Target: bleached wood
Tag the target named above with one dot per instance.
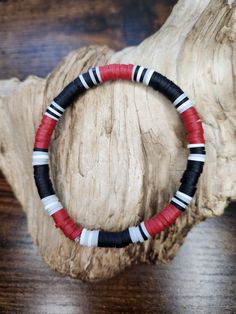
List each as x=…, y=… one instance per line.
x=118, y=153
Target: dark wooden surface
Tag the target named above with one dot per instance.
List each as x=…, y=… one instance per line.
x=34, y=36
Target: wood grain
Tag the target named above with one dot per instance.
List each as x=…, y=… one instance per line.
x=34, y=36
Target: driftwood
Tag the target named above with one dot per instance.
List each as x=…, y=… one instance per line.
x=119, y=152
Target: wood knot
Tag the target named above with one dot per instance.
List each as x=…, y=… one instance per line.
x=2, y=149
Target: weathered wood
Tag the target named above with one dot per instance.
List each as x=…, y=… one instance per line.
x=119, y=152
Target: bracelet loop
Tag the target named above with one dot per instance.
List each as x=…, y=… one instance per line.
x=179, y=201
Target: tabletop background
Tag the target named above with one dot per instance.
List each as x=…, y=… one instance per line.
x=34, y=36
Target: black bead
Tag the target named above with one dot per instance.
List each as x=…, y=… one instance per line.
x=42, y=180
x=114, y=239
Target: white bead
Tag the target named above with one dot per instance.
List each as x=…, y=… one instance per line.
x=83, y=237
x=98, y=74
x=83, y=81
x=197, y=157
x=40, y=158
x=89, y=237
x=49, y=115
x=57, y=106
x=179, y=99
x=92, y=77
x=186, y=105
x=135, y=235
x=178, y=202
x=147, y=76
x=145, y=230
x=51, y=204
x=54, y=111
x=139, y=73
x=186, y=198
x=196, y=145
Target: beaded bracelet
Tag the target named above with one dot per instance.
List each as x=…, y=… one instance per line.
x=178, y=203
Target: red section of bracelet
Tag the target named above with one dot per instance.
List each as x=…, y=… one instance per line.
x=116, y=71
x=66, y=224
x=44, y=132
x=162, y=220
x=195, y=138
x=193, y=126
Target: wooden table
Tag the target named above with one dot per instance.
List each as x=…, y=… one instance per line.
x=34, y=36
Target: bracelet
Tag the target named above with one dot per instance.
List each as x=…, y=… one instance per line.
x=178, y=203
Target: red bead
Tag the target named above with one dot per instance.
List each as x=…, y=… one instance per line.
x=44, y=132
x=196, y=138
x=66, y=224
x=116, y=71
x=194, y=127
x=162, y=220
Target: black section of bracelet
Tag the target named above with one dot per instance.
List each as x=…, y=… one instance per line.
x=198, y=150
x=196, y=166
x=187, y=189
x=69, y=93
x=165, y=86
x=40, y=150
x=42, y=180
x=114, y=239
x=190, y=177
